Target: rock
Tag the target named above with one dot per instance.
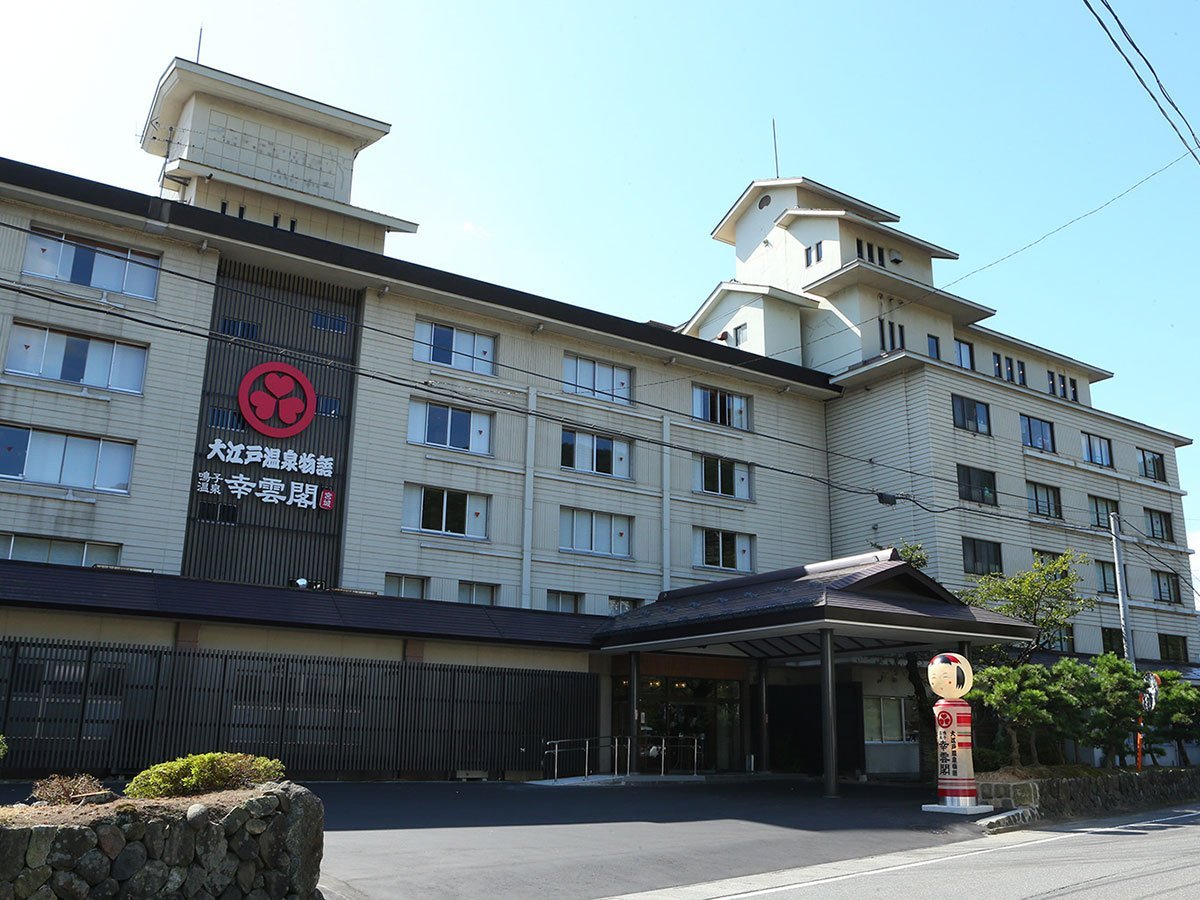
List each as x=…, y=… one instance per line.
x=280, y=794
x=6, y=890
x=204, y=895
x=210, y=846
x=40, y=803
x=255, y=826
x=244, y=845
x=155, y=836
x=110, y=839
x=30, y=880
x=69, y=886
x=195, y=880
x=275, y=883
x=234, y=819
x=271, y=841
x=93, y=867
x=305, y=840
x=246, y=871
x=257, y=894
x=175, y=879
x=70, y=843
x=261, y=807
x=40, y=837
x=148, y=882
x=220, y=876
x=179, y=846
x=129, y=860
x=42, y=893
x=14, y=842
x=134, y=831
x=197, y=815
x=105, y=890
x=232, y=893
x=97, y=797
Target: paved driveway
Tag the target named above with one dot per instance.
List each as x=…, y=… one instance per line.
x=429, y=840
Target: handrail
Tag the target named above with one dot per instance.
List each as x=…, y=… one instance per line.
x=658, y=747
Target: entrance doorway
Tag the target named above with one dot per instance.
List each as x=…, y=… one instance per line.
x=794, y=729
x=676, y=706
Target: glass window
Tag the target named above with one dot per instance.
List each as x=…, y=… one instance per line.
x=1159, y=525
x=412, y=587
x=1044, y=500
x=599, y=454
x=50, y=458
x=1106, y=577
x=725, y=550
x=338, y=324
x=563, y=601
x=721, y=407
x=997, y=367
x=978, y=485
x=585, y=531
x=1062, y=640
x=889, y=720
x=1152, y=465
x=80, y=260
x=59, y=356
x=1096, y=449
x=1166, y=586
x=449, y=345
x=1021, y=373
x=964, y=354
x=717, y=475
x=971, y=415
x=934, y=346
x=1172, y=648
x=981, y=557
x=740, y=335
x=453, y=512
x=58, y=550
x=451, y=427
x=618, y=606
x=477, y=593
x=1037, y=433
x=1112, y=641
x=602, y=380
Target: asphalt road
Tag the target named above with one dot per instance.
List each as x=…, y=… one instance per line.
x=499, y=841
x=1151, y=855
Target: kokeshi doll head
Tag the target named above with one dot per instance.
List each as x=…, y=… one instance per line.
x=950, y=675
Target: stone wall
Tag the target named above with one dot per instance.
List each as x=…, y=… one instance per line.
x=267, y=848
x=1107, y=790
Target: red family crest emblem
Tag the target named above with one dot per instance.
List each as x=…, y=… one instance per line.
x=277, y=399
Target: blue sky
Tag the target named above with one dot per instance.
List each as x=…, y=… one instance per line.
x=585, y=152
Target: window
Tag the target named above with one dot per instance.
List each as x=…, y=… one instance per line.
x=1106, y=577
x=1062, y=640
x=1074, y=389
x=275, y=221
x=724, y=549
x=46, y=457
x=741, y=334
x=873, y=254
x=476, y=593
x=221, y=513
x=978, y=485
x=971, y=415
x=721, y=407
x=452, y=427
x=1009, y=372
x=618, y=606
x=1050, y=381
x=1159, y=526
x=808, y=256
x=891, y=336
x=1045, y=557
x=997, y=366
x=1112, y=641
x=223, y=417
x=454, y=512
x=79, y=260
x=819, y=247
x=1172, y=648
x=595, y=453
x=1166, y=586
x=1096, y=450
x=1044, y=500
x=59, y=356
x=412, y=587
x=563, y=601
x=597, y=379
x=1062, y=386
x=964, y=354
x=1152, y=465
x=338, y=324
x=1037, y=433
x=889, y=720
x=1100, y=509
x=717, y=475
x=62, y=552
x=584, y=531
x=239, y=328
x=330, y=407
x=981, y=557
x=1021, y=374
x=448, y=345
x=934, y=344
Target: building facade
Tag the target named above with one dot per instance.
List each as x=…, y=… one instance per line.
x=230, y=385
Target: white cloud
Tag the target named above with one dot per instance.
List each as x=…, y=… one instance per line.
x=477, y=230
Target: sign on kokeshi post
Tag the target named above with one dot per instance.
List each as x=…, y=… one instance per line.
x=951, y=678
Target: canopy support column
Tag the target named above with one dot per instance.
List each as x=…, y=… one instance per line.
x=828, y=715
x=635, y=723
x=764, y=741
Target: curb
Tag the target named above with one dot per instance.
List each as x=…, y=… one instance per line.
x=1010, y=820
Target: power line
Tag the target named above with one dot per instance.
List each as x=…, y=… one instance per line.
x=1157, y=559
x=1140, y=79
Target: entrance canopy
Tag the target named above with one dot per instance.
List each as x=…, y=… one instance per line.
x=875, y=604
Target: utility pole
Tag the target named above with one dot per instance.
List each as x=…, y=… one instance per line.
x=1114, y=528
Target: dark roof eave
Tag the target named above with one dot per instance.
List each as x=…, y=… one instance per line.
x=82, y=190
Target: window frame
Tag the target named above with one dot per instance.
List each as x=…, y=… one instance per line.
x=1027, y=433
x=1090, y=443
x=741, y=544
x=959, y=344
x=1152, y=459
x=1159, y=525
x=909, y=728
x=616, y=602
x=614, y=522
x=619, y=453
x=722, y=404
x=49, y=438
x=8, y=544
x=960, y=409
x=402, y=580
x=1171, y=651
x=571, y=381
x=427, y=346
x=984, y=563
x=739, y=473
x=1166, y=586
x=574, y=597
x=97, y=248
x=469, y=498
x=419, y=423
x=974, y=492
x=67, y=336
x=1112, y=640
x=1096, y=503
x=474, y=587
x=1043, y=500
x=1106, y=578
x=933, y=346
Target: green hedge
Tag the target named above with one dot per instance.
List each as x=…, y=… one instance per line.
x=202, y=773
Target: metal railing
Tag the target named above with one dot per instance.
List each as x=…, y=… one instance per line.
x=652, y=748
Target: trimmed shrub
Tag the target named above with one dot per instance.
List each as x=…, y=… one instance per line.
x=57, y=790
x=989, y=760
x=202, y=773
x=3, y=747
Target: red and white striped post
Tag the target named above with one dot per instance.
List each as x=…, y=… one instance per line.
x=951, y=677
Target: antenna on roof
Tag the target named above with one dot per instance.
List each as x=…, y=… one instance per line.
x=774, y=141
x=200, y=40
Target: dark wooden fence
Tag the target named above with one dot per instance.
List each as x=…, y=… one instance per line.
x=115, y=709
